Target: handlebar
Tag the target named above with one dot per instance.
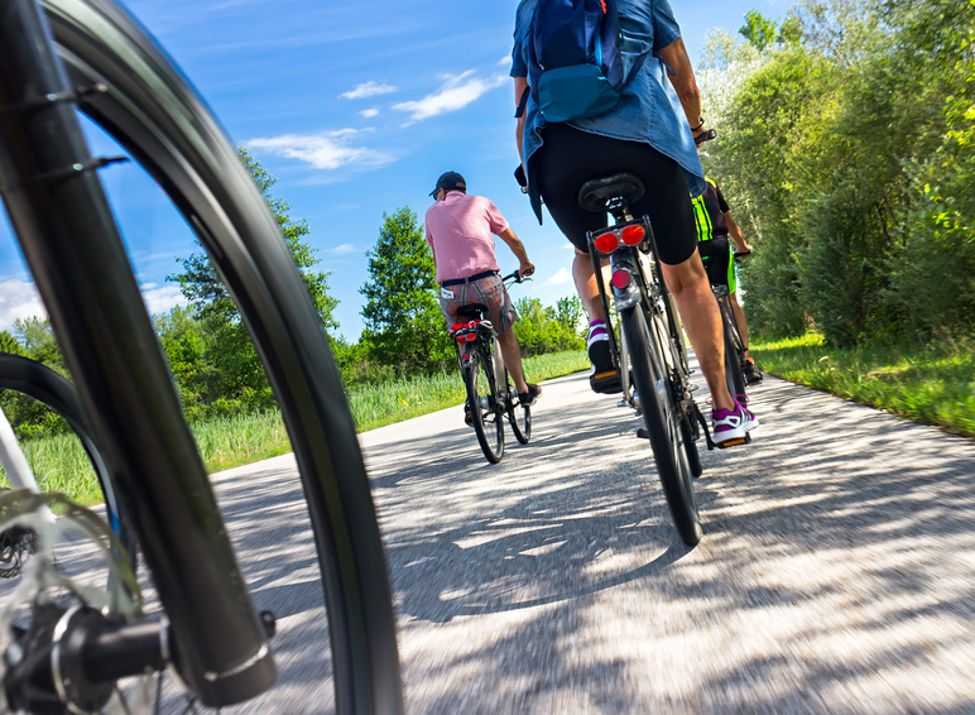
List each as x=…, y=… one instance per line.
x=515, y=277
x=706, y=136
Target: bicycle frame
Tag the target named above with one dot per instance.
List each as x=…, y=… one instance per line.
x=75, y=254
x=634, y=259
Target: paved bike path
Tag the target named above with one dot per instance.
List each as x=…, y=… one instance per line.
x=836, y=574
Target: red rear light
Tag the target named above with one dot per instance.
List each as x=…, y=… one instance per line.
x=632, y=235
x=621, y=279
x=471, y=337
x=606, y=242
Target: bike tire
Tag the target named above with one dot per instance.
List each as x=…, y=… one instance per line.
x=522, y=429
x=36, y=380
x=690, y=431
x=665, y=432
x=148, y=108
x=733, y=357
x=482, y=400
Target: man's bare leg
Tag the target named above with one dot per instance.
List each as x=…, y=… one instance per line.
x=740, y=322
x=512, y=360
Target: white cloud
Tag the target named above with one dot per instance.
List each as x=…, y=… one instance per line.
x=343, y=249
x=18, y=300
x=505, y=61
x=327, y=151
x=161, y=298
x=456, y=92
x=368, y=89
x=369, y=113
x=560, y=278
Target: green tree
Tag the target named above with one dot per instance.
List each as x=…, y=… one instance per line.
x=206, y=292
x=211, y=355
x=758, y=30
x=404, y=327
x=543, y=330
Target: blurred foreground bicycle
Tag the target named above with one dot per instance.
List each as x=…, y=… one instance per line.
x=70, y=646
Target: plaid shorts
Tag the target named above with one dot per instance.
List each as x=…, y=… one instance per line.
x=490, y=292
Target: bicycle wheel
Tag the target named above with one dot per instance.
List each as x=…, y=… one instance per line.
x=31, y=378
x=522, y=428
x=733, y=356
x=485, y=407
x=667, y=437
x=144, y=103
x=690, y=431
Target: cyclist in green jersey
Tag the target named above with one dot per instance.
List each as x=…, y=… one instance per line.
x=715, y=225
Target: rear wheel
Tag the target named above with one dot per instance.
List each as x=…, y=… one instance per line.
x=668, y=437
x=485, y=407
x=732, y=357
x=690, y=431
x=519, y=415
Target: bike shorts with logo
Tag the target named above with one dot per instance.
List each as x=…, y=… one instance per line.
x=717, y=255
x=490, y=292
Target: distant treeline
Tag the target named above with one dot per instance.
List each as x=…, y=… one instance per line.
x=216, y=368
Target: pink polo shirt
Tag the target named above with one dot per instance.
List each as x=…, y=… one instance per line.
x=459, y=231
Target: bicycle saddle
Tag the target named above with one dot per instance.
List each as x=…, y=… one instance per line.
x=474, y=311
x=594, y=194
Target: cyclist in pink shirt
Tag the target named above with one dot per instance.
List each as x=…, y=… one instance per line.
x=460, y=230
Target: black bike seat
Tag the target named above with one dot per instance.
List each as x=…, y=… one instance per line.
x=594, y=194
x=474, y=311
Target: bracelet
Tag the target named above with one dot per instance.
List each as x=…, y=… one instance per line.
x=699, y=126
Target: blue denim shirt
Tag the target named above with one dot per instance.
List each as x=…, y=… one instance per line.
x=650, y=110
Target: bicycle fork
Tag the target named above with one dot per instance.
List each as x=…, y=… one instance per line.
x=75, y=253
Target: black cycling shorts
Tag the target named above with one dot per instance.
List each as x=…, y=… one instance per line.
x=571, y=157
x=719, y=262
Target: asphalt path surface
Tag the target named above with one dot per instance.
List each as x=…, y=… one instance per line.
x=836, y=573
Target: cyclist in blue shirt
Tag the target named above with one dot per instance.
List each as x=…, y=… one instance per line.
x=650, y=134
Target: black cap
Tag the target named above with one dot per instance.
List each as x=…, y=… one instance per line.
x=450, y=181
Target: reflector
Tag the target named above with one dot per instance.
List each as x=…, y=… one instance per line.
x=632, y=235
x=606, y=242
x=621, y=279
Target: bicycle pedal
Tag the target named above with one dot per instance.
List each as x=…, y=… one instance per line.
x=642, y=433
x=747, y=439
x=606, y=383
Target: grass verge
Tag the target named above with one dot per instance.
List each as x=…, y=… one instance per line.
x=932, y=383
x=60, y=463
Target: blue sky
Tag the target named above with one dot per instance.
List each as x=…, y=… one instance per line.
x=356, y=108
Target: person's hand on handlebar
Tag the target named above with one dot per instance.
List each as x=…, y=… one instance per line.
x=526, y=269
x=704, y=135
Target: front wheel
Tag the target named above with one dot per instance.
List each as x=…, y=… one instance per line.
x=486, y=410
x=520, y=416
x=667, y=435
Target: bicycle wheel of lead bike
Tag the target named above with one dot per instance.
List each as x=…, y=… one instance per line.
x=733, y=356
x=31, y=378
x=146, y=105
x=667, y=435
x=519, y=415
x=486, y=410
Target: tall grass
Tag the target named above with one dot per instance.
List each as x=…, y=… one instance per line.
x=932, y=383
x=60, y=463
